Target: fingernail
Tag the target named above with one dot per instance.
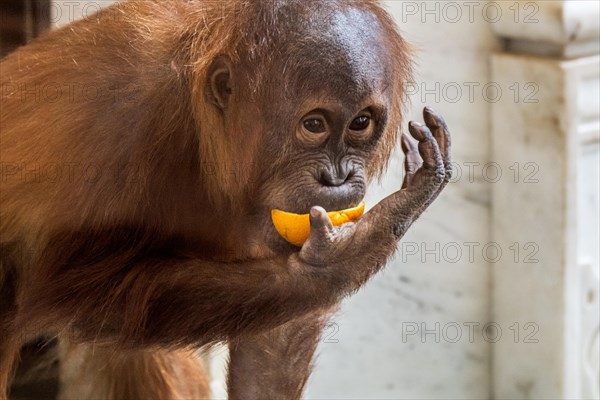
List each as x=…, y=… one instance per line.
x=415, y=124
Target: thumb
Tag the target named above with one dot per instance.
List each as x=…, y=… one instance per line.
x=313, y=250
x=320, y=224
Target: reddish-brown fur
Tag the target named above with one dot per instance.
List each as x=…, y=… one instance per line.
x=113, y=192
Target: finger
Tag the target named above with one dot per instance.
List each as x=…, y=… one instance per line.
x=428, y=147
x=314, y=250
x=440, y=132
x=437, y=124
x=412, y=159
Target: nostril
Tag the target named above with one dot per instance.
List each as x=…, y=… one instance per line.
x=326, y=178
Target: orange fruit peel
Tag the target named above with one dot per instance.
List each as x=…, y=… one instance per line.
x=295, y=228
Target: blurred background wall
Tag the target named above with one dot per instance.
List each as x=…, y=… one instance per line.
x=494, y=291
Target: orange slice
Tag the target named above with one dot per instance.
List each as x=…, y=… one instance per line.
x=295, y=228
